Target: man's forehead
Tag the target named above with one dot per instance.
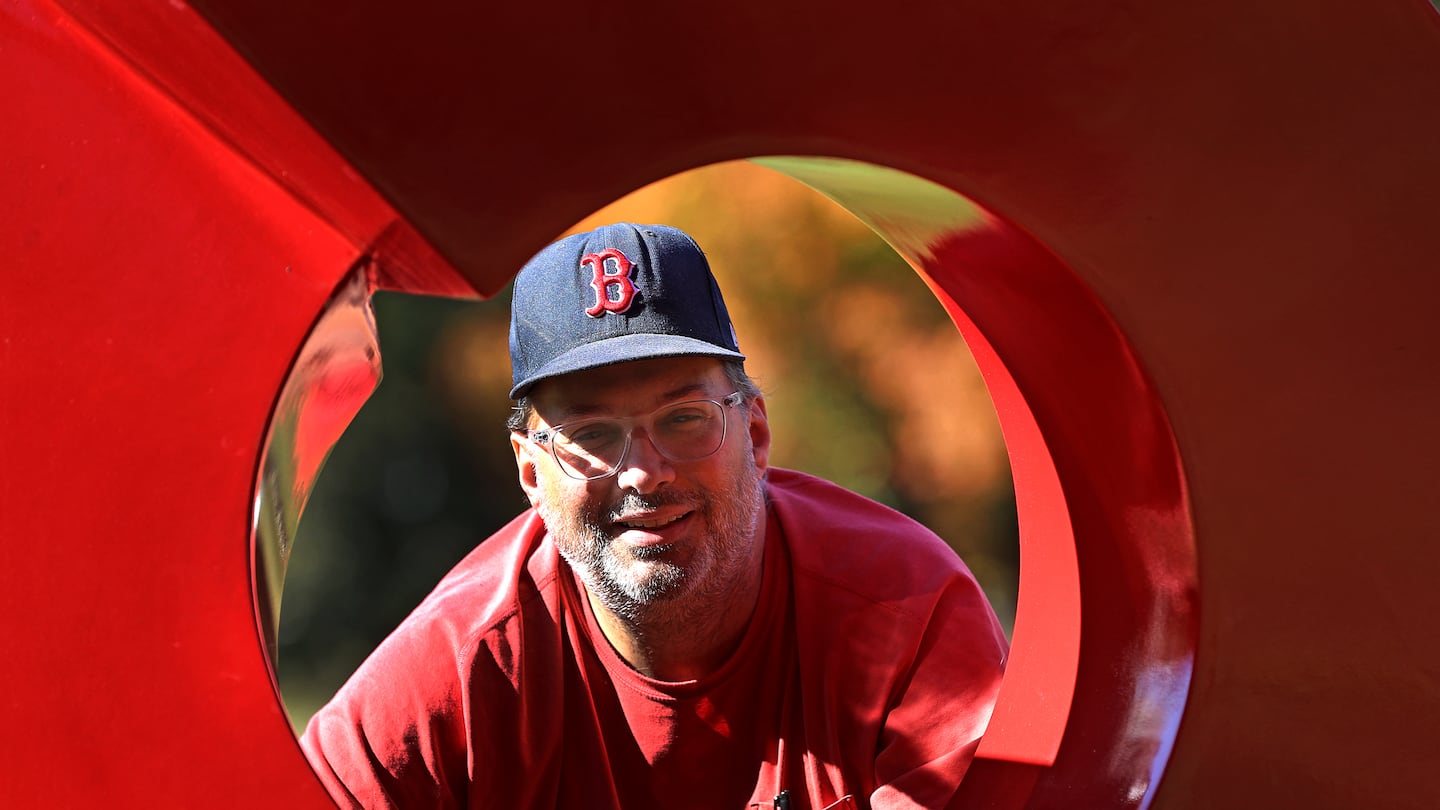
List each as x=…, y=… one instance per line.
x=625, y=387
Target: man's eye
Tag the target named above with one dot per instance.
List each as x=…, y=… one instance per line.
x=594, y=433
x=685, y=416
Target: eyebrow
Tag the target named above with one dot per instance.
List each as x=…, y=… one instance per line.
x=586, y=410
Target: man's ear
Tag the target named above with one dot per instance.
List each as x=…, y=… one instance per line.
x=759, y=426
x=525, y=465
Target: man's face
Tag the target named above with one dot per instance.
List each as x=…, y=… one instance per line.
x=657, y=530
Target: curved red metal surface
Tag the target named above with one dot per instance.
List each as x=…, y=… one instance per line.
x=157, y=286
x=1219, y=213
x=335, y=372
x=946, y=238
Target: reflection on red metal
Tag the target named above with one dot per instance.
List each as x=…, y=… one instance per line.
x=1236, y=204
x=336, y=371
x=1124, y=496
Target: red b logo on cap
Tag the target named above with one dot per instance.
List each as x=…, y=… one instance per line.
x=604, y=281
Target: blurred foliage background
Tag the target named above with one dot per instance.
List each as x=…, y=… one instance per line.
x=868, y=384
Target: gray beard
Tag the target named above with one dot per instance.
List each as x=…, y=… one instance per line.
x=654, y=599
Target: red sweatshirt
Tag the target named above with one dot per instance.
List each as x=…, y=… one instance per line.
x=865, y=680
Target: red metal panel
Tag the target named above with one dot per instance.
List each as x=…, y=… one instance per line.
x=1236, y=206
x=156, y=288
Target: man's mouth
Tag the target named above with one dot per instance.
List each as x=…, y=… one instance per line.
x=651, y=523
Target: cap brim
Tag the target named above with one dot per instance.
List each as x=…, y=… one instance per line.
x=622, y=349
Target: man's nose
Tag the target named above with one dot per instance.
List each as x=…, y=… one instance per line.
x=644, y=469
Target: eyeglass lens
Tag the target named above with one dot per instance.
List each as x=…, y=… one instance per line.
x=685, y=431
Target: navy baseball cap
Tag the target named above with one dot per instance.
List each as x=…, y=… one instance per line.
x=619, y=293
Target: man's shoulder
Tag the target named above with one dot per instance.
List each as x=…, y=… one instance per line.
x=847, y=541
x=828, y=514
x=491, y=584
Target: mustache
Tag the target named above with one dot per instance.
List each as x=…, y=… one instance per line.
x=635, y=502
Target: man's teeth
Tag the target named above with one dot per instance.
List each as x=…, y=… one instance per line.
x=649, y=524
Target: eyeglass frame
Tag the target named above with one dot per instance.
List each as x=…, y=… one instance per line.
x=546, y=436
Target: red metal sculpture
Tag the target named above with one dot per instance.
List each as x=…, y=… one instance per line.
x=1200, y=288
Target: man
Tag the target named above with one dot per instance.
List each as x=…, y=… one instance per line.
x=675, y=623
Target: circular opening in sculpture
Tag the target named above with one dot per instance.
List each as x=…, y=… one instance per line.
x=880, y=394
x=980, y=269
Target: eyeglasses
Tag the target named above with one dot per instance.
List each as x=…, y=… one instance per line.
x=591, y=449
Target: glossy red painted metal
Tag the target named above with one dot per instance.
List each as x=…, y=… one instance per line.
x=1124, y=494
x=1236, y=206
x=962, y=253
x=1113, y=564
x=173, y=48
x=158, y=284
x=335, y=372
